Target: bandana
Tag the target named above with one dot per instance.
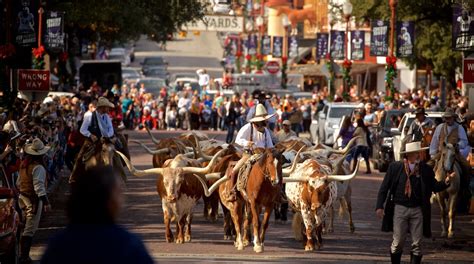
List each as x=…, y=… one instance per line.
x=409, y=174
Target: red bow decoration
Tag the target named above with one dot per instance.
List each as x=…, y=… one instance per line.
x=38, y=52
x=391, y=60
x=248, y=57
x=284, y=60
x=259, y=56
x=238, y=54
x=347, y=64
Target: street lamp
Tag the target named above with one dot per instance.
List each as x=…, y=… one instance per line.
x=347, y=11
x=284, y=58
x=330, y=61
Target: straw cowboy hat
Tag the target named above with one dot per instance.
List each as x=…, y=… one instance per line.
x=36, y=148
x=420, y=110
x=104, y=102
x=260, y=114
x=449, y=113
x=11, y=127
x=413, y=147
x=286, y=123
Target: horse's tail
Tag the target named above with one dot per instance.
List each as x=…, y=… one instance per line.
x=343, y=210
x=297, y=225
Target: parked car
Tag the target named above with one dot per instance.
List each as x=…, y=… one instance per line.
x=221, y=6
x=130, y=75
x=9, y=220
x=121, y=55
x=382, y=152
x=183, y=77
x=129, y=48
x=402, y=130
x=153, y=62
x=158, y=72
x=152, y=85
x=329, y=120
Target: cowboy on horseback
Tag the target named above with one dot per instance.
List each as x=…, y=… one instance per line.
x=450, y=132
x=420, y=125
x=253, y=135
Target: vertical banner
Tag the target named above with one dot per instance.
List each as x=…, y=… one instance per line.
x=357, y=45
x=379, y=38
x=54, y=38
x=252, y=44
x=337, y=44
x=405, y=39
x=25, y=14
x=293, y=47
x=266, y=45
x=463, y=28
x=277, y=47
x=322, y=45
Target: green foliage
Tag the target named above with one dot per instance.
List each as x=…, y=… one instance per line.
x=432, y=29
x=121, y=20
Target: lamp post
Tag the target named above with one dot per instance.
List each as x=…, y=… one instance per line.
x=284, y=58
x=391, y=67
x=393, y=9
x=347, y=11
x=330, y=61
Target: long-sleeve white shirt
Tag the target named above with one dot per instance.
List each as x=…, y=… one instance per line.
x=105, y=124
x=463, y=144
x=258, y=138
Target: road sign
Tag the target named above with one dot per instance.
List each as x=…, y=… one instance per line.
x=468, y=71
x=33, y=80
x=272, y=67
x=222, y=23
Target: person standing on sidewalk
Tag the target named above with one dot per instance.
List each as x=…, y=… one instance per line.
x=406, y=190
x=33, y=199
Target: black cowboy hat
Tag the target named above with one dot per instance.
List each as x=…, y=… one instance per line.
x=420, y=110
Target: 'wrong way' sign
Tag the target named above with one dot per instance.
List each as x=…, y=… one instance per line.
x=468, y=71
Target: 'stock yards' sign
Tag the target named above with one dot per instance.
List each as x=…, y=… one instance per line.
x=221, y=23
x=33, y=80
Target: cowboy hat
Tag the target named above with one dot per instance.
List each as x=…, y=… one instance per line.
x=104, y=102
x=420, y=110
x=413, y=147
x=449, y=113
x=11, y=127
x=286, y=123
x=36, y=148
x=43, y=110
x=260, y=114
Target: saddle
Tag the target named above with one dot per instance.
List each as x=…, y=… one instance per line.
x=244, y=172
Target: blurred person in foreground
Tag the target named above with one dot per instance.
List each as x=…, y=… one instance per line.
x=92, y=235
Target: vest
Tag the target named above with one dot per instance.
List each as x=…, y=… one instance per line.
x=452, y=138
x=26, y=181
x=94, y=128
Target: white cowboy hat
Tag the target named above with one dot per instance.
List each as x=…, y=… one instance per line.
x=261, y=114
x=10, y=127
x=413, y=147
x=104, y=102
x=43, y=110
x=36, y=148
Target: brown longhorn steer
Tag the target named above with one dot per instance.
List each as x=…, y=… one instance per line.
x=179, y=191
x=263, y=188
x=311, y=190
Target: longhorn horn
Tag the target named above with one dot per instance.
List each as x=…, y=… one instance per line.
x=208, y=191
x=339, y=162
x=189, y=155
x=295, y=179
x=150, y=151
x=156, y=141
x=344, y=177
x=205, y=169
x=199, y=150
x=287, y=172
x=348, y=146
x=213, y=176
x=139, y=173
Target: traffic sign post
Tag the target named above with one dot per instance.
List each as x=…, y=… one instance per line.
x=468, y=71
x=272, y=67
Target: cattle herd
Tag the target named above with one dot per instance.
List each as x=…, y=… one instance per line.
x=193, y=166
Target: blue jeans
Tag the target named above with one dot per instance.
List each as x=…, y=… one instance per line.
x=230, y=133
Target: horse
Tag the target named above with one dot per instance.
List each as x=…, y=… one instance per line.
x=262, y=190
x=428, y=133
x=448, y=164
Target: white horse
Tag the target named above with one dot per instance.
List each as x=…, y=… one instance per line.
x=448, y=164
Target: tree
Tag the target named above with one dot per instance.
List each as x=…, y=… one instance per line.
x=433, y=30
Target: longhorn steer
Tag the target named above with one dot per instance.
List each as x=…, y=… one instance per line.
x=311, y=190
x=179, y=191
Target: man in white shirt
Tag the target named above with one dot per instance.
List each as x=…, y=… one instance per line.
x=254, y=134
x=98, y=124
x=203, y=78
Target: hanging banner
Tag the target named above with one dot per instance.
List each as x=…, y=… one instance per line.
x=266, y=45
x=322, y=45
x=277, y=47
x=379, y=38
x=463, y=28
x=26, y=14
x=293, y=47
x=357, y=45
x=54, y=38
x=405, y=39
x=337, y=44
x=251, y=44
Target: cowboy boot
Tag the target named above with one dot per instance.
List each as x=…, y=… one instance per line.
x=414, y=259
x=396, y=258
x=25, y=245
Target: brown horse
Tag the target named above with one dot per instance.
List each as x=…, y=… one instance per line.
x=428, y=133
x=262, y=189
